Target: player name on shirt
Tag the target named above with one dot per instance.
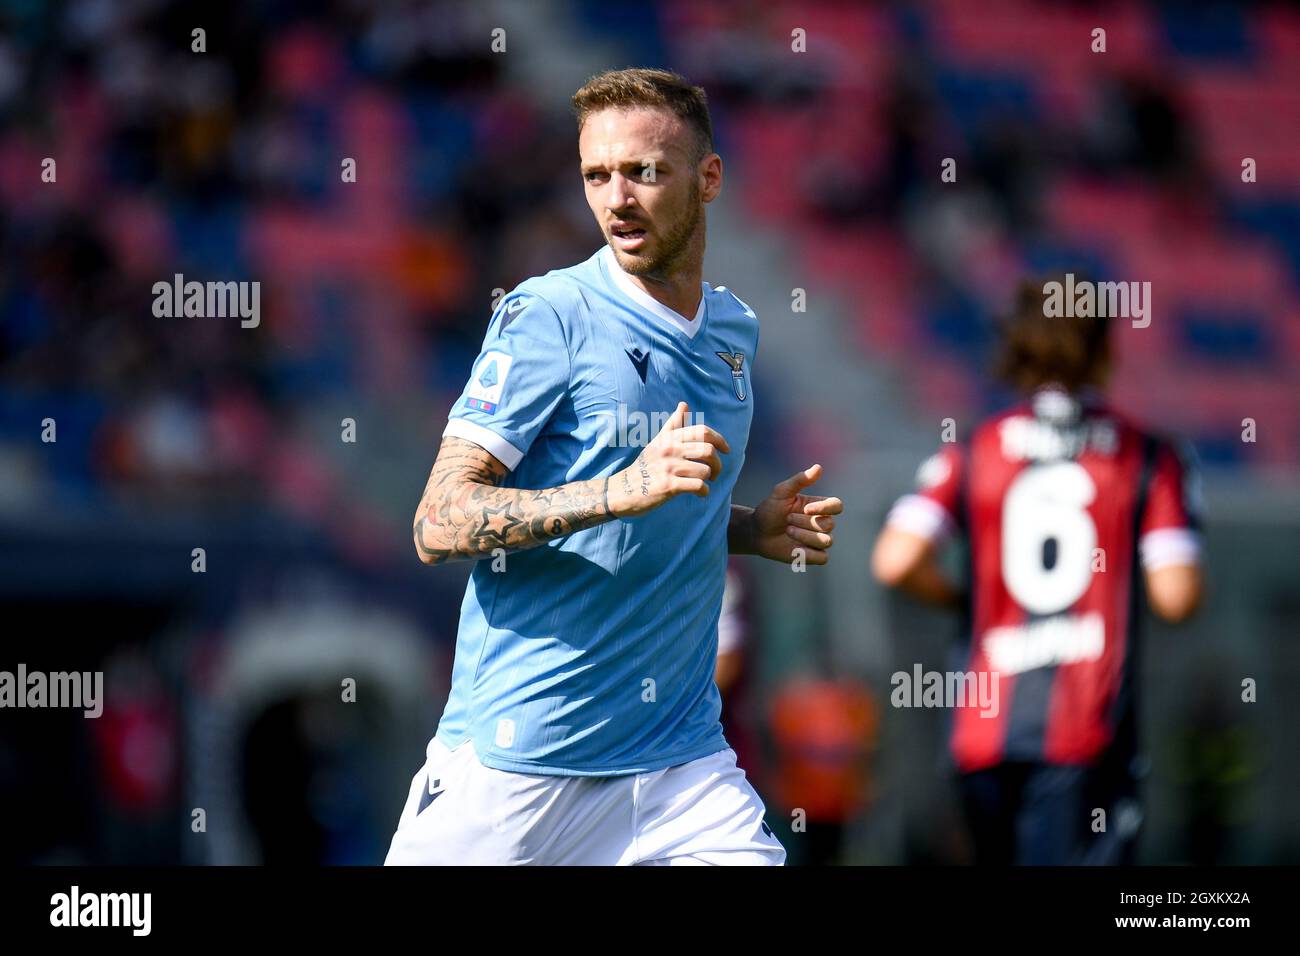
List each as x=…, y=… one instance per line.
x=1066, y=639
x=1029, y=439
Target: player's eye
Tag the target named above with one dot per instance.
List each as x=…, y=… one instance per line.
x=593, y=177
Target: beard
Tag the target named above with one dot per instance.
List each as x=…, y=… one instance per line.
x=676, y=242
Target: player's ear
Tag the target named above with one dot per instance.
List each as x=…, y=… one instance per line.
x=710, y=173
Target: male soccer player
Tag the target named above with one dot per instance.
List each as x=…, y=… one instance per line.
x=1069, y=509
x=590, y=461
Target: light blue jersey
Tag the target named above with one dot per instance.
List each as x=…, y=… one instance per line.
x=594, y=654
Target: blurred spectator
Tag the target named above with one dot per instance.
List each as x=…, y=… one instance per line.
x=735, y=649
x=825, y=731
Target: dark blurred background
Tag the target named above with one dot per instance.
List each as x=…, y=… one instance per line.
x=223, y=687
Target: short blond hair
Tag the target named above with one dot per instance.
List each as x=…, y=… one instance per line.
x=662, y=89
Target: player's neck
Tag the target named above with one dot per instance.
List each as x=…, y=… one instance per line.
x=679, y=286
x=679, y=290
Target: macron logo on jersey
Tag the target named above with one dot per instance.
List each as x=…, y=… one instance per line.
x=511, y=309
x=489, y=381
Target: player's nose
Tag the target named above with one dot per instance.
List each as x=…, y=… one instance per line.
x=620, y=197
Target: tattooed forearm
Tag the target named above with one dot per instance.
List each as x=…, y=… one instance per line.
x=643, y=468
x=464, y=512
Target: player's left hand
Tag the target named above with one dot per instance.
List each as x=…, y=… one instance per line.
x=789, y=519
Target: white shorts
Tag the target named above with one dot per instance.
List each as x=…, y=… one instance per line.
x=460, y=813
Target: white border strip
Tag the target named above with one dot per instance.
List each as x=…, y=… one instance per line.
x=508, y=454
x=922, y=516
x=1167, y=546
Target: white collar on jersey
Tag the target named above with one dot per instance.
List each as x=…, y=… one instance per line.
x=649, y=302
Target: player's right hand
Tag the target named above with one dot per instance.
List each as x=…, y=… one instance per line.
x=682, y=459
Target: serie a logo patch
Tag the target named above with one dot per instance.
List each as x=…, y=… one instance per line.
x=489, y=381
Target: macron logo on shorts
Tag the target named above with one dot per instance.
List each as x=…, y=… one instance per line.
x=432, y=792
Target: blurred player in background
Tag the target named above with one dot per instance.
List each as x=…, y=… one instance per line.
x=1072, y=513
x=582, y=725
x=732, y=671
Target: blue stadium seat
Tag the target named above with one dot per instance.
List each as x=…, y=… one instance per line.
x=1224, y=336
x=1207, y=31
